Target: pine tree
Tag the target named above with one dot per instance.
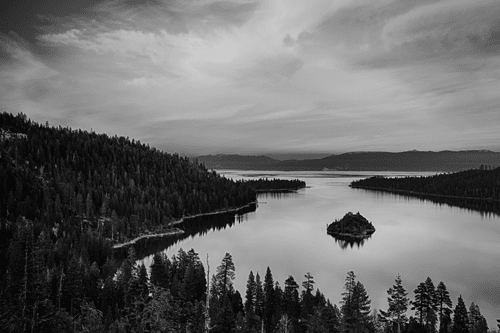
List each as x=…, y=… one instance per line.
x=225, y=275
x=268, y=308
x=284, y=325
x=444, y=304
x=361, y=302
x=477, y=323
x=159, y=275
x=430, y=315
x=307, y=297
x=460, y=318
x=425, y=304
x=355, y=306
x=398, y=305
x=291, y=300
x=221, y=308
x=143, y=281
x=259, y=296
x=250, y=293
x=347, y=305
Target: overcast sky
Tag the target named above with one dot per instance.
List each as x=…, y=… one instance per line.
x=203, y=76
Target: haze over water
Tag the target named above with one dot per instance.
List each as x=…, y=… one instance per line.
x=414, y=238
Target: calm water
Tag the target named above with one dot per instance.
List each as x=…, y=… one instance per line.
x=415, y=238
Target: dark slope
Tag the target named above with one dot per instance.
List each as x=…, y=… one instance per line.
x=59, y=175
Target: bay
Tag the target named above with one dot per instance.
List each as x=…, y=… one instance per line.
x=414, y=237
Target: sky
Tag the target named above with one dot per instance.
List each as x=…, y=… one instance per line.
x=267, y=76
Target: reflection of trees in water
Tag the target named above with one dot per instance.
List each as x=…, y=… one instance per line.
x=487, y=208
x=283, y=194
x=197, y=226
x=345, y=243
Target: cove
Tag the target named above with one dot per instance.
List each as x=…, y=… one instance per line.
x=415, y=237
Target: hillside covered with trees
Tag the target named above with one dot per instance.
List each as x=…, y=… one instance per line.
x=481, y=183
x=67, y=195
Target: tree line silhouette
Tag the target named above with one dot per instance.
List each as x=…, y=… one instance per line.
x=477, y=184
x=175, y=297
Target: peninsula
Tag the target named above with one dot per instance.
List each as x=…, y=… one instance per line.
x=275, y=185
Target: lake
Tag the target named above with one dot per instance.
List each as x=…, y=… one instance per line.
x=414, y=237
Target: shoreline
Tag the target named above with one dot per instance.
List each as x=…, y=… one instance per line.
x=279, y=190
x=414, y=193
x=177, y=231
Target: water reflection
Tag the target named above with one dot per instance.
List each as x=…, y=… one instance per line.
x=282, y=194
x=193, y=227
x=487, y=208
x=345, y=243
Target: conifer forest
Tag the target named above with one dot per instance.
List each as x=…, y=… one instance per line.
x=69, y=196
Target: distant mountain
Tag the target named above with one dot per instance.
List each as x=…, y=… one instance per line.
x=363, y=161
x=233, y=161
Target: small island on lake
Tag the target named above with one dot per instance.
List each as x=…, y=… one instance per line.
x=351, y=227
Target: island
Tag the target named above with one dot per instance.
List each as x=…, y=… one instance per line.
x=351, y=227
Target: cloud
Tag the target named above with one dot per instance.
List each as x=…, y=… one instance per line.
x=264, y=75
x=449, y=28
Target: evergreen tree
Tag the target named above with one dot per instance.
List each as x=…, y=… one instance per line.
x=307, y=297
x=460, y=317
x=259, y=296
x=315, y=323
x=159, y=274
x=444, y=304
x=291, y=300
x=477, y=323
x=269, y=306
x=250, y=293
x=425, y=304
x=143, y=281
x=225, y=275
x=221, y=307
x=361, y=302
x=284, y=325
x=347, y=304
x=398, y=305
x=355, y=306
x=430, y=315
x=331, y=317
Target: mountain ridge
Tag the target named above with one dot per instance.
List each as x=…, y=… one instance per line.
x=412, y=160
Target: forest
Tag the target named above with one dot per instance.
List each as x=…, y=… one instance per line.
x=275, y=184
x=174, y=296
x=68, y=195
x=267, y=307
x=482, y=183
